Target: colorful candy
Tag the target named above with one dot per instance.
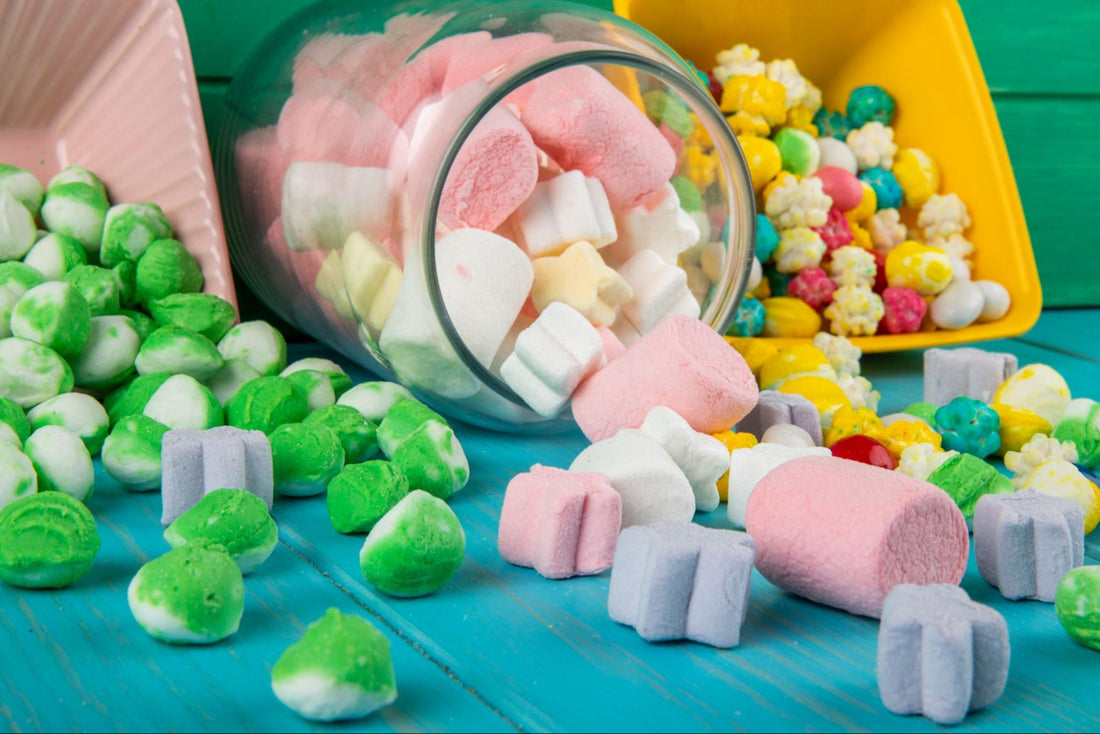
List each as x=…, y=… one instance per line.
x=969, y=426
x=1078, y=605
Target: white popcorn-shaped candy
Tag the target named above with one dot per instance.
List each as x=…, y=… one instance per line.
x=702, y=458
x=660, y=226
x=551, y=357
x=323, y=203
x=372, y=279
x=563, y=210
x=660, y=290
x=748, y=466
x=652, y=486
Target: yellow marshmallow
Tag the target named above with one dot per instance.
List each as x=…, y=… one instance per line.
x=579, y=278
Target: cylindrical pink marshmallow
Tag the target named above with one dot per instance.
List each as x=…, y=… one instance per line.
x=612, y=347
x=478, y=61
x=584, y=123
x=494, y=172
x=682, y=364
x=261, y=166
x=844, y=533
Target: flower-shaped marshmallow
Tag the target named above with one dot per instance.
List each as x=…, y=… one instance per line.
x=969, y=426
x=942, y=216
x=855, y=311
x=873, y=145
x=790, y=202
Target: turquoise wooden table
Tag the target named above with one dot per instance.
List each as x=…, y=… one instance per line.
x=501, y=648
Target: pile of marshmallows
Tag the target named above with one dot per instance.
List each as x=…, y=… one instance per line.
x=559, y=230
x=855, y=230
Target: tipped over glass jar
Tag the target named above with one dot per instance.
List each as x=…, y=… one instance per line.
x=483, y=202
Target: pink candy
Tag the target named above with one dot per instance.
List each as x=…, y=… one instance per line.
x=584, y=123
x=841, y=186
x=844, y=533
x=813, y=286
x=904, y=310
x=682, y=364
x=560, y=523
x=836, y=232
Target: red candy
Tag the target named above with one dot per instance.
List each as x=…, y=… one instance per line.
x=880, y=272
x=715, y=88
x=863, y=449
x=813, y=286
x=841, y=186
x=904, y=310
x=835, y=232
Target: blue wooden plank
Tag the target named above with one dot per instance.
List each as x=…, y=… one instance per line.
x=75, y=659
x=547, y=655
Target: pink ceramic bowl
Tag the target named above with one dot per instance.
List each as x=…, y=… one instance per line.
x=109, y=85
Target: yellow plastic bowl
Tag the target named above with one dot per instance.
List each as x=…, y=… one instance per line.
x=921, y=52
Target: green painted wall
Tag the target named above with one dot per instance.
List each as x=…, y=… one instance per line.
x=1040, y=60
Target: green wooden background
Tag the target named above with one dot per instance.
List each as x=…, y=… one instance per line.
x=1040, y=60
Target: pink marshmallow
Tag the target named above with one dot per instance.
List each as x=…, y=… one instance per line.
x=682, y=364
x=612, y=346
x=325, y=121
x=844, y=533
x=481, y=60
x=261, y=166
x=583, y=122
x=560, y=523
x=494, y=172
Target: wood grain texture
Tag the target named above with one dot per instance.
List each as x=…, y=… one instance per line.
x=75, y=660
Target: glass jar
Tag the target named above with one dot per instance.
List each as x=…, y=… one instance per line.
x=373, y=158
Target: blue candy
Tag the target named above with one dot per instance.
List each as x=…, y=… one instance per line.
x=748, y=320
x=832, y=124
x=886, y=187
x=969, y=426
x=870, y=104
x=777, y=281
x=767, y=239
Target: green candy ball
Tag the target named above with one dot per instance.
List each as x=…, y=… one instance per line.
x=415, y=548
x=235, y=519
x=304, y=457
x=55, y=315
x=202, y=313
x=361, y=494
x=1077, y=603
x=98, y=286
x=266, y=403
x=165, y=268
x=47, y=541
x=357, y=435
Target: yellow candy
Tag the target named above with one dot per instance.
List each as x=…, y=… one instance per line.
x=762, y=156
x=927, y=270
x=753, y=104
x=777, y=181
x=860, y=236
x=1037, y=388
x=1062, y=479
x=701, y=166
x=918, y=175
x=902, y=434
x=755, y=351
x=698, y=135
x=789, y=317
x=825, y=394
x=732, y=440
x=866, y=207
x=800, y=360
x=1018, y=426
x=848, y=421
x=764, y=290
x=801, y=118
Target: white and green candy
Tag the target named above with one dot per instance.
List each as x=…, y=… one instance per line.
x=340, y=669
x=55, y=254
x=76, y=209
x=108, y=356
x=131, y=453
x=23, y=185
x=17, y=230
x=77, y=413
x=304, y=457
x=55, y=315
x=31, y=373
x=179, y=351
x=256, y=343
x=235, y=519
x=17, y=476
x=62, y=462
x=129, y=229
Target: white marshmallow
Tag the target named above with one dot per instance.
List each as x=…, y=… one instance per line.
x=837, y=153
x=658, y=225
x=749, y=466
x=660, y=290
x=324, y=202
x=652, y=486
x=551, y=358
x=702, y=458
x=788, y=434
x=372, y=279
x=484, y=280
x=563, y=210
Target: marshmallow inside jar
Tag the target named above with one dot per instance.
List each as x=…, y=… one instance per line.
x=484, y=203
